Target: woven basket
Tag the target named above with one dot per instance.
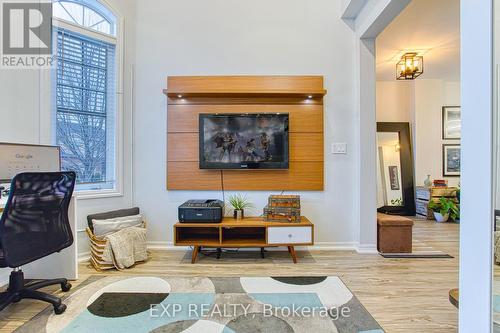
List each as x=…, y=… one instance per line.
x=97, y=246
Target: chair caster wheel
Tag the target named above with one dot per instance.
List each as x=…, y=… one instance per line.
x=66, y=286
x=59, y=309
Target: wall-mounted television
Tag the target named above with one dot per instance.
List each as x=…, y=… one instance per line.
x=244, y=141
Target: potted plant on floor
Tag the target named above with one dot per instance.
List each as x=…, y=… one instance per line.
x=239, y=203
x=445, y=209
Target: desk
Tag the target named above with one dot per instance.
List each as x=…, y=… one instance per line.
x=57, y=265
x=248, y=232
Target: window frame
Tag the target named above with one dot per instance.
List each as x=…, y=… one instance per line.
x=117, y=40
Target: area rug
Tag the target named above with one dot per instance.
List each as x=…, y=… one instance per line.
x=419, y=250
x=209, y=305
x=496, y=304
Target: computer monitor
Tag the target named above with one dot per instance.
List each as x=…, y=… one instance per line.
x=16, y=158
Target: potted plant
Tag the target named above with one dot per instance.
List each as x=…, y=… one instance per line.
x=445, y=209
x=397, y=202
x=239, y=203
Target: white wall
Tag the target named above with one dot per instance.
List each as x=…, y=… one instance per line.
x=496, y=107
x=395, y=101
x=292, y=37
x=419, y=102
x=430, y=97
x=19, y=93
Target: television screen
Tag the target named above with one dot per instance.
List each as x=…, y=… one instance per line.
x=244, y=141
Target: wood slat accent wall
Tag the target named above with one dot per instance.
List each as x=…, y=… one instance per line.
x=303, y=147
x=247, y=94
x=304, y=118
x=257, y=85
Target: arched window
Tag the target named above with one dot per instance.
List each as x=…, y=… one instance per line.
x=85, y=35
x=88, y=14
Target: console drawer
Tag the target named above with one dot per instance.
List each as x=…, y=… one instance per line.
x=289, y=235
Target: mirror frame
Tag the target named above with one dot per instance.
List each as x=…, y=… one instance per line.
x=406, y=156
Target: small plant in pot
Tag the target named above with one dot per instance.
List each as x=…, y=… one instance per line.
x=397, y=202
x=239, y=203
x=445, y=209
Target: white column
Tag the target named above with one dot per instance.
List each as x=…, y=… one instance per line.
x=476, y=180
x=366, y=205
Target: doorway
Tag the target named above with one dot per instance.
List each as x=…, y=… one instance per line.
x=418, y=83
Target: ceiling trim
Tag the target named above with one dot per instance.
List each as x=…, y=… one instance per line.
x=368, y=18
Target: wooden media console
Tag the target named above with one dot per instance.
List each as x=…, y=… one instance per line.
x=249, y=232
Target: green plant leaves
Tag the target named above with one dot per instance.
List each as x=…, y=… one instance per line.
x=445, y=206
x=239, y=201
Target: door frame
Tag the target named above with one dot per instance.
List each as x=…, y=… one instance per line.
x=368, y=18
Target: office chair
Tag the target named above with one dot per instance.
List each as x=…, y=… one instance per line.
x=35, y=224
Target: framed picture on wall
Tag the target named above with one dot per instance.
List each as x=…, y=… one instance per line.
x=452, y=122
x=394, y=177
x=451, y=160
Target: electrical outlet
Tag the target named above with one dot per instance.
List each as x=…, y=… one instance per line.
x=339, y=148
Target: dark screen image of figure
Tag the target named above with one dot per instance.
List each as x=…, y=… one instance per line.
x=226, y=143
x=251, y=151
x=264, y=144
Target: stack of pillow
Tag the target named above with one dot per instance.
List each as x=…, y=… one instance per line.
x=103, y=228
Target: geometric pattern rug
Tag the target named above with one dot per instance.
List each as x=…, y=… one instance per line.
x=496, y=305
x=208, y=305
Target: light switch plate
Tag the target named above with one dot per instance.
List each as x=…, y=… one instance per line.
x=339, y=148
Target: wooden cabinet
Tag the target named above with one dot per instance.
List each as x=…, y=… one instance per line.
x=249, y=232
x=426, y=194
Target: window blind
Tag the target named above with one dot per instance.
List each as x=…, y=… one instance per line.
x=85, y=108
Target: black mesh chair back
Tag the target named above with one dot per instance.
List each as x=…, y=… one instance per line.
x=35, y=220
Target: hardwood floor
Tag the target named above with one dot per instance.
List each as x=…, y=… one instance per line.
x=403, y=295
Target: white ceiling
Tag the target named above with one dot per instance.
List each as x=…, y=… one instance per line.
x=429, y=27
x=387, y=138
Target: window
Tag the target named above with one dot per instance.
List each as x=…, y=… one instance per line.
x=85, y=92
x=88, y=14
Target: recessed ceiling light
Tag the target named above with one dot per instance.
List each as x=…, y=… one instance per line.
x=180, y=96
x=310, y=96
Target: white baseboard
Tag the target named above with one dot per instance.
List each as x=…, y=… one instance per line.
x=84, y=256
x=333, y=246
x=366, y=249
x=166, y=246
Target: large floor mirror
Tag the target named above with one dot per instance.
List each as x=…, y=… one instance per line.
x=395, y=191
